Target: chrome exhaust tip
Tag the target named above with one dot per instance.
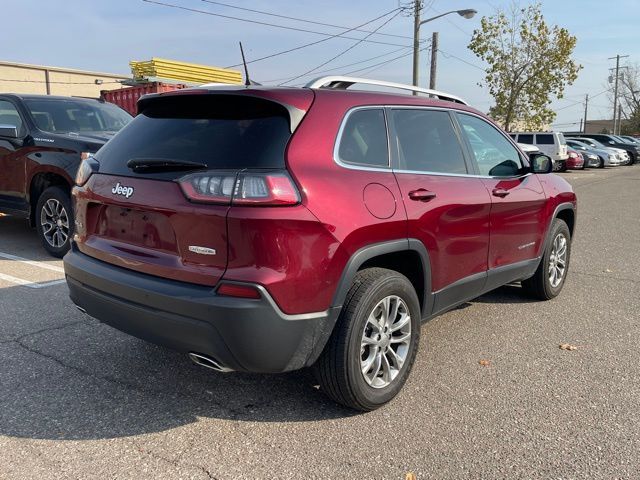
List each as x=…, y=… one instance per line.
x=208, y=362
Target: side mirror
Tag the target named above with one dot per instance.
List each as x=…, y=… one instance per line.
x=611, y=142
x=541, y=163
x=10, y=131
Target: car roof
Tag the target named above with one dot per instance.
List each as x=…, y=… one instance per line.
x=32, y=96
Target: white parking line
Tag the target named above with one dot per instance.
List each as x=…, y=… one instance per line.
x=46, y=266
x=28, y=283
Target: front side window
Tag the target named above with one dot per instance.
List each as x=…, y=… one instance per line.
x=364, y=139
x=427, y=142
x=494, y=154
x=9, y=115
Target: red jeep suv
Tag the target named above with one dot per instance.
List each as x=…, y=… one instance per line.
x=269, y=229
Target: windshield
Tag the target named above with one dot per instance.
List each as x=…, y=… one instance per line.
x=76, y=116
x=592, y=142
x=561, y=139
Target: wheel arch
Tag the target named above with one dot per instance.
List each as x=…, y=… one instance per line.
x=406, y=256
x=39, y=183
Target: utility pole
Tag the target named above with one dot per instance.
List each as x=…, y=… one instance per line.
x=619, y=120
x=586, y=104
x=615, y=88
x=434, y=61
x=416, y=41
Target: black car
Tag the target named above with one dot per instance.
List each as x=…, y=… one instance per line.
x=611, y=141
x=42, y=141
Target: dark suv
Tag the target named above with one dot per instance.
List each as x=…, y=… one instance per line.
x=270, y=229
x=42, y=141
x=613, y=141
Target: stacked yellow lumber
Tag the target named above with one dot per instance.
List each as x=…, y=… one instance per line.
x=186, y=72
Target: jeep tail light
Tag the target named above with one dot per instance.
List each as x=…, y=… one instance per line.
x=244, y=188
x=241, y=291
x=88, y=167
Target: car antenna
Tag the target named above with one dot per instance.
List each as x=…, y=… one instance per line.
x=247, y=80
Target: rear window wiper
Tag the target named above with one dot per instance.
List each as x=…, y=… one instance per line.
x=162, y=164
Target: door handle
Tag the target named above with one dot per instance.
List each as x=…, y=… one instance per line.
x=500, y=192
x=421, y=195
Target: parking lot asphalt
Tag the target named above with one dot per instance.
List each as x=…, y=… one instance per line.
x=81, y=400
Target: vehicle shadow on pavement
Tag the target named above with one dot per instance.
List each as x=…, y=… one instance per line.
x=511, y=293
x=84, y=380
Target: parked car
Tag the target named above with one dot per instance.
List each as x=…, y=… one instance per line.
x=42, y=141
x=269, y=229
x=609, y=140
x=575, y=160
x=593, y=157
x=630, y=139
x=620, y=155
x=552, y=144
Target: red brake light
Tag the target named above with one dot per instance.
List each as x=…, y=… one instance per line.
x=235, y=290
x=245, y=188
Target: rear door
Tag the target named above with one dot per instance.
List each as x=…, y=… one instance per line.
x=142, y=218
x=12, y=164
x=447, y=208
x=517, y=199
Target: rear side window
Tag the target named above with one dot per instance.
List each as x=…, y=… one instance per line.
x=544, y=139
x=525, y=138
x=427, y=142
x=364, y=139
x=221, y=131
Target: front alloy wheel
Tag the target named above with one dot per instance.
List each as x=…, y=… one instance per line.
x=54, y=221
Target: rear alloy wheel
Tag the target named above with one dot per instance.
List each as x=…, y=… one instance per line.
x=54, y=221
x=373, y=346
x=551, y=274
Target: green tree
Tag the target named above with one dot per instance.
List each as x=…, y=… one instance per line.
x=529, y=62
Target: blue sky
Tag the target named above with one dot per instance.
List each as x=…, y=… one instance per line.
x=105, y=35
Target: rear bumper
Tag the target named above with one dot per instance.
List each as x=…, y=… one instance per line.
x=241, y=334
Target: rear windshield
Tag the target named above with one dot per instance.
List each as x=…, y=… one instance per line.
x=220, y=131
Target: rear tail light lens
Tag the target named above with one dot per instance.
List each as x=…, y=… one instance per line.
x=88, y=167
x=244, y=188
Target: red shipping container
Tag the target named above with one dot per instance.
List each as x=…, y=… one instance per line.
x=127, y=98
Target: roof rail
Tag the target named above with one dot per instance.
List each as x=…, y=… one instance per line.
x=342, y=83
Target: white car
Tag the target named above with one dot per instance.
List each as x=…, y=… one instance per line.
x=552, y=144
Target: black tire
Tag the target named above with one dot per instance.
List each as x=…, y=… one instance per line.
x=63, y=223
x=539, y=285
x=601, y=164
x=338, y=369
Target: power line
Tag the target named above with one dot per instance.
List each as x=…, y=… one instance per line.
x=450, y=55
x=302, y=19
x=381, y=64
x=370, y=68
x=296, y=29
x=346, y=65
x=344, y=51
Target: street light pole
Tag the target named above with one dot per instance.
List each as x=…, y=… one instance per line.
x=417, y=23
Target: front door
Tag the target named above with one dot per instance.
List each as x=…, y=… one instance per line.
x=12, y=166
x=447, y=208
x=517, y=198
